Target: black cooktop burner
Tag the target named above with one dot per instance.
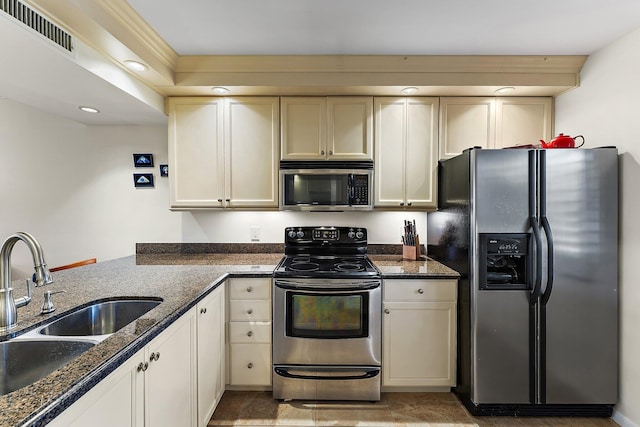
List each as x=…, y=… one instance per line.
x=331, y=252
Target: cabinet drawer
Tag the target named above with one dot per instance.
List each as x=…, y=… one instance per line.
x=249, y=310
x=420, y=290
x=250, y=332
x=250, y=364
x=254, y=288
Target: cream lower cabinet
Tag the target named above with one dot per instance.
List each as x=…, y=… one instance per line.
x=490, y=122
x=211, y=353
x=327, y=128
x=156, y=387
x=223, y=152
x=419, y=333
x=249, y=332
x=406, y=141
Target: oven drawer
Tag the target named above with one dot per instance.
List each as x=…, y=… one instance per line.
x=253, y=288
x=250, y=364
x=249, y=310
x=326, y=382
x=419, y=290
x=250, y=332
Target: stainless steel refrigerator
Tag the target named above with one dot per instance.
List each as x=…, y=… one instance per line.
x=534, y=235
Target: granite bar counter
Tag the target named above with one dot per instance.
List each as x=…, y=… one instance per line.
x=180, y=277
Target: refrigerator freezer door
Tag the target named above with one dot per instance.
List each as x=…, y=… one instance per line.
x=500, y=328
x=582, y=312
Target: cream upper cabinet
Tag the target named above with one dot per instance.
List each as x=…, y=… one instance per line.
x=251, y=152
x=522, y=121
x=464, y=123
x=419, y=333
x=405, y=152
x=223, y=152
x=196, y=152
x=327, y=128
x=467, y=122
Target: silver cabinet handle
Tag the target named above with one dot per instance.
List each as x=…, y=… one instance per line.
x=203, y=310
x=250, y=365
x=421, y=291
x=250, y=333
x=250, y=311
x=249, y=289
x=154, y=356
x=142, y=366
x=387, y=311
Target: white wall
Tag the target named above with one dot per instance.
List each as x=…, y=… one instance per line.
x=605, y=110
x=71, y=186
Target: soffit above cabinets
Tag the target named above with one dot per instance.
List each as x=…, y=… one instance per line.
x=113, y=28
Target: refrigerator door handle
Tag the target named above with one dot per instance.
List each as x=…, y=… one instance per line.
x=535, y=293
x=547, y=231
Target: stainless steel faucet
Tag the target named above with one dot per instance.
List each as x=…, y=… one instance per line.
x=9, y=305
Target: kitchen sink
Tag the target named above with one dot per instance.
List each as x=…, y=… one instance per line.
x=101, y=318
x=25, y=362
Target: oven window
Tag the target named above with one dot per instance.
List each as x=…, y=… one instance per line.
x=316, y=189
x=327, y=316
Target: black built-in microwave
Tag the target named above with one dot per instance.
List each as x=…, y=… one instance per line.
x=326, y=185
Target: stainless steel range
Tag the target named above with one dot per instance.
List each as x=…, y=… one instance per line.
x=326, y=317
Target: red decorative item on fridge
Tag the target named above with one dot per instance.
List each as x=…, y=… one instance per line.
x=563, y=141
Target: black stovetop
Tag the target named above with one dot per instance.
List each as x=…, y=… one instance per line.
x=326, y=252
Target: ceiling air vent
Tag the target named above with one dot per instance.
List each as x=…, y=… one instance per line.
x=37, y=22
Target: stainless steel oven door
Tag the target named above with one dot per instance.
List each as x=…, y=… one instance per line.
x=327, y=322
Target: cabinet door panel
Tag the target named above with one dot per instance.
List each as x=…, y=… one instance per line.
x=419, y=344
x=170, y=381
x=465, y=123
x=522, y=121
x=251, y=146
x=350, y=128
x=421, y=152
x=195, y=152
x=389, y=151
x=211, y=350
x=303, y=128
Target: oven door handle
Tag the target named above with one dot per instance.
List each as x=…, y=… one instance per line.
x=328, y=374
x=327, y=287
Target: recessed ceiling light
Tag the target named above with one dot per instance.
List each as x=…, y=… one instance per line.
x=89, y=109
x=135, y=65
x=220, y=90
x=505, y=89
x=409, y=90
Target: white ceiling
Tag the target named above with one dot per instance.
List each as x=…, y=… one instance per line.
x=389, y=27
x=35, y=74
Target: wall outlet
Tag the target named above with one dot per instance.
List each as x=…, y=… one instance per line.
x=255, y=233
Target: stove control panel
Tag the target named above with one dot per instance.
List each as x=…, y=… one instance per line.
x=326, y=234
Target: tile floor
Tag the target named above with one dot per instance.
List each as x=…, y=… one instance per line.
x=253, y=409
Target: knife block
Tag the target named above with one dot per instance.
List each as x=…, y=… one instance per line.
x=411, y=253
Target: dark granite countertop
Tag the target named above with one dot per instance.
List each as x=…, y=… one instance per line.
x=180, y=279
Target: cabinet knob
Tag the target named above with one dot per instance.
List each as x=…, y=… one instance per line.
x=410, y=203
x=331, y=152
x=250, y=311
x=421, y=291
x=387, y=311
x=250, y=365
x=203, y=310
x=250, y=333
x=219, y=200
x=227, y=200
x=322, y=152
x=249, y=289
x=142, y=366
x=154, y=356
x=401, y=203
